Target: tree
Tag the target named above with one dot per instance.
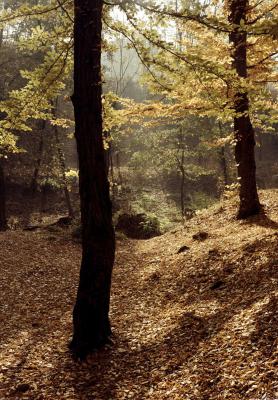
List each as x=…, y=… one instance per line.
x=90, y=316
x=3, y=220
x=244, y=132
x=213, y=80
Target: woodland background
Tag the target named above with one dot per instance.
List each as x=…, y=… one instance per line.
x=168, y=85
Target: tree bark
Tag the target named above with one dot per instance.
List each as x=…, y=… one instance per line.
x=180, y=161
x=111, y=164
x=118, y=165
x=223, y=163
x=222, y=159
x=91, y=325
x=243, y=129
x=3, y=219
x=34, y=182
x=182, y=171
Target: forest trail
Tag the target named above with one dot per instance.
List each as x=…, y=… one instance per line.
x=197, y=324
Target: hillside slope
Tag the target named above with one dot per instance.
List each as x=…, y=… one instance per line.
x=193, y=317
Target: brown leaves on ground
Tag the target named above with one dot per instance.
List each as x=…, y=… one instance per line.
x=199, y=324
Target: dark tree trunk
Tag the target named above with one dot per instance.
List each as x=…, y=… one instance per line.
x=3, y=219
x=34, y=182
x=223, y=163
x=222, y=158
x=260, y=142
x=4, y=6
x=118, y=165
x=44, y=197
x=111, y=164
x=180, y=162
x=244, y=132
x=110, y=170
x=182, y=183
x=91, y=326
x=62, y=163
x=1, y=37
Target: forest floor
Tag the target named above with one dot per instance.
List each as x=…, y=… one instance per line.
x=197, y=324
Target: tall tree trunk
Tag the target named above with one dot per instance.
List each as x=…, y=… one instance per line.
x=4, y=7
x=260, y=143
x=118, y=165
x=223, y=164
x=44, y=199
x=182, y=183
x=110, y=171
x=180, y=162
x=91, y=325
x=244, y=132
x=3, y=219
x=1, y=37
x=222, y=159
x=111, y=164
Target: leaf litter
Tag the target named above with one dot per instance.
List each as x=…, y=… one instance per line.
x=199, y=324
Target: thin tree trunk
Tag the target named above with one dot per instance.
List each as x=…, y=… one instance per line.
x=3, y=219
x=244, y=132
x=44, y=196
x=180, y=162
x=120, y=177
x=182, y=184
x=111, y=164
x=4, y=4
x=91, y=325
x=34, y=182
x=260, y=142
x=1, y=37
x=223, y=163
x=107, y=158
x=222, y=158
x=111, y=171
